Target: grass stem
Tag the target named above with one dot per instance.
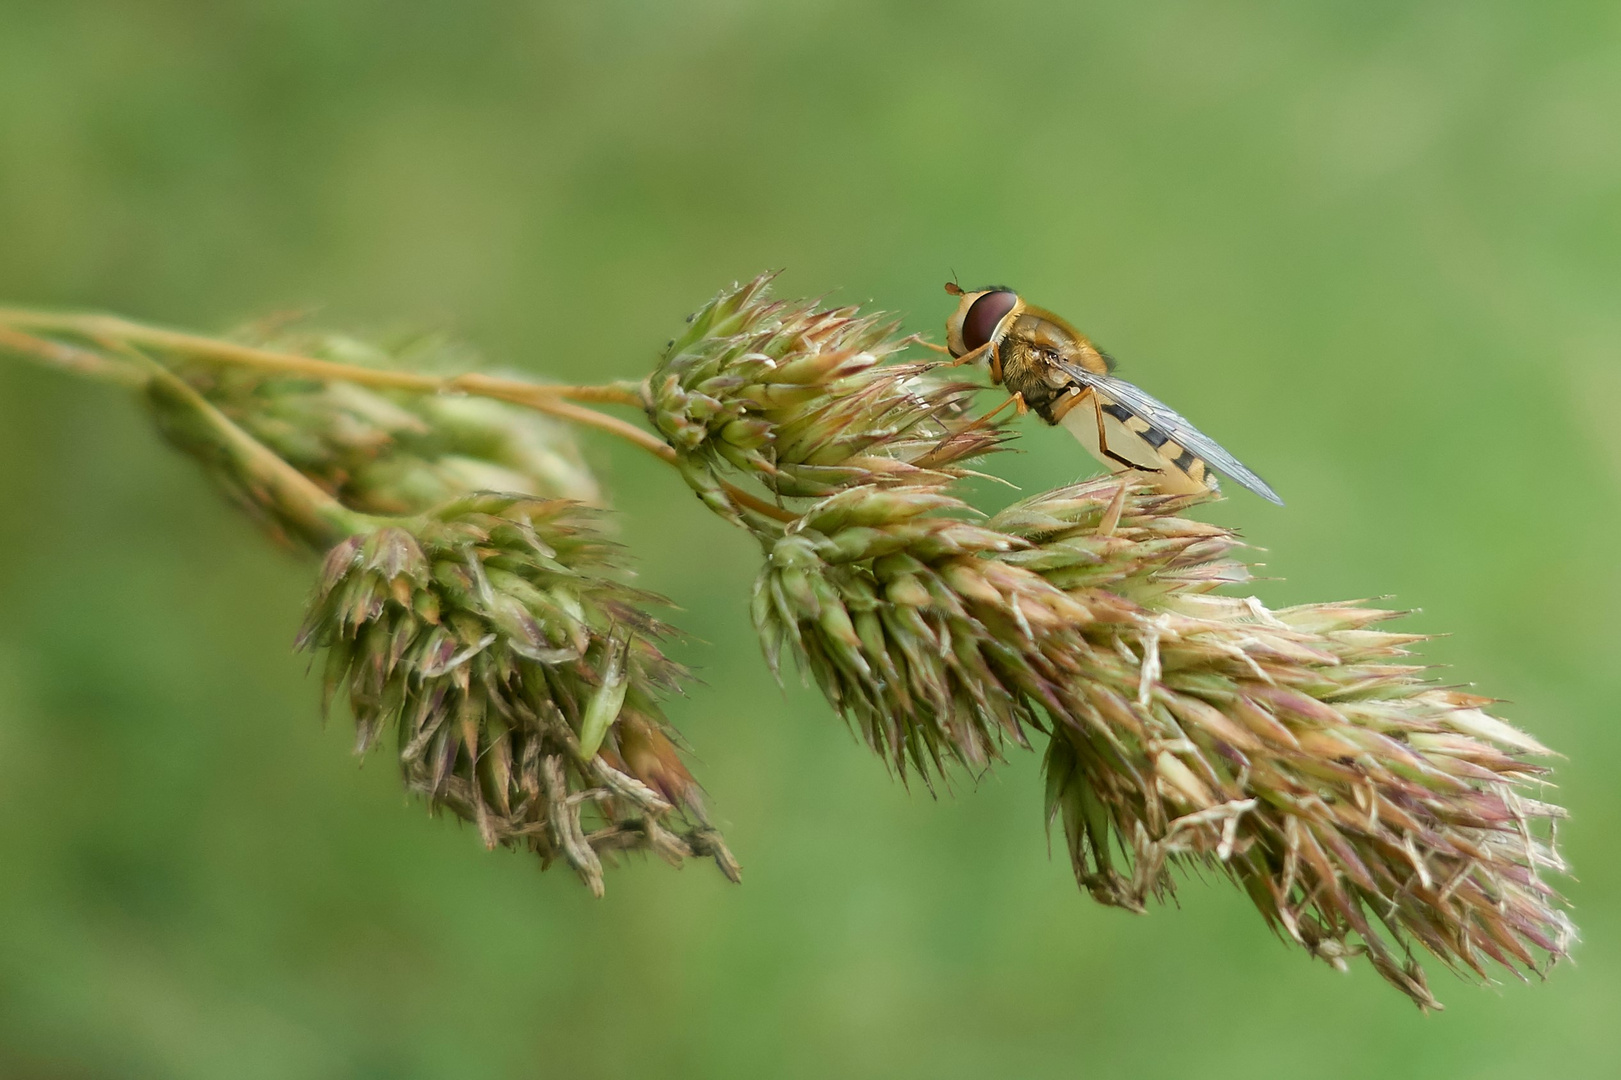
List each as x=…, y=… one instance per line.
x=112, y=331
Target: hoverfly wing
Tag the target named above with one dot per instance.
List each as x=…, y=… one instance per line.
x=1166, y=426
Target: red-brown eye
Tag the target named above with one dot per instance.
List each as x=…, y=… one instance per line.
x=988, y=310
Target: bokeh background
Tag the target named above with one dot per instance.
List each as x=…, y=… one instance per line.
x=1372, y=247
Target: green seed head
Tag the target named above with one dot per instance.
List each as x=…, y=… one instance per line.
x=801, y=401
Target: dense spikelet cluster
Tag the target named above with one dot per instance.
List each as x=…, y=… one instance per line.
x=936, y=635
x=860, y=454
x=906, y=625
x=521, y=685
x=392, y=452
x=1296, y=750
x=800, y=400
x=1361, y=808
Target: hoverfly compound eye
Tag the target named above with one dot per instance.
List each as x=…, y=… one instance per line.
x=988, y=310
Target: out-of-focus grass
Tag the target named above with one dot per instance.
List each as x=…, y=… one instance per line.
x=1369, y=248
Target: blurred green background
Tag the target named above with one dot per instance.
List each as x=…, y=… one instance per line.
x=1371, y=247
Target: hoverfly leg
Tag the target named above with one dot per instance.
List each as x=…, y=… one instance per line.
x=968, y=357
x=1017, y=401
x=919, y=339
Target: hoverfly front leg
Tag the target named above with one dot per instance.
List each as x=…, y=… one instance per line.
x=919, y=339
x=1017, y=401
x=969, y=357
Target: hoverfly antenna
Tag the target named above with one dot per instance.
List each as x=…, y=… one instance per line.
x=952, y=287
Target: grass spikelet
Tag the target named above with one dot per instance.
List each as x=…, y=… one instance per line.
x=800, y=401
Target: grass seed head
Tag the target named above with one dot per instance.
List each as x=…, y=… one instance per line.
x=799, y=400
x=520, y=683
x=1363, y=809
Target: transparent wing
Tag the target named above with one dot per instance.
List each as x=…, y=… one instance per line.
x=1173, y=424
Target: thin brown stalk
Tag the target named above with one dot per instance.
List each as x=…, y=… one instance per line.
x=313, y=508
x=302, y=502
x=196, y=347
x=551, y=399
x=66, y=357
x=651, y=443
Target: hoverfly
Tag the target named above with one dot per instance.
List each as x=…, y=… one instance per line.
x=1051, y=369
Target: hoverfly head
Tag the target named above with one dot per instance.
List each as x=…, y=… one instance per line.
x=978, y=315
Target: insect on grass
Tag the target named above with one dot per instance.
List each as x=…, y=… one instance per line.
x=1053, y=370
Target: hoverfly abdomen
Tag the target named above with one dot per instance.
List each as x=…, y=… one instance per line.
x=1194, y=468
x=1154, y=437
x=1120, y=413
x=1150, y=448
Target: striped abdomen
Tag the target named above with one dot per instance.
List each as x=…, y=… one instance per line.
x=1180, y=470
